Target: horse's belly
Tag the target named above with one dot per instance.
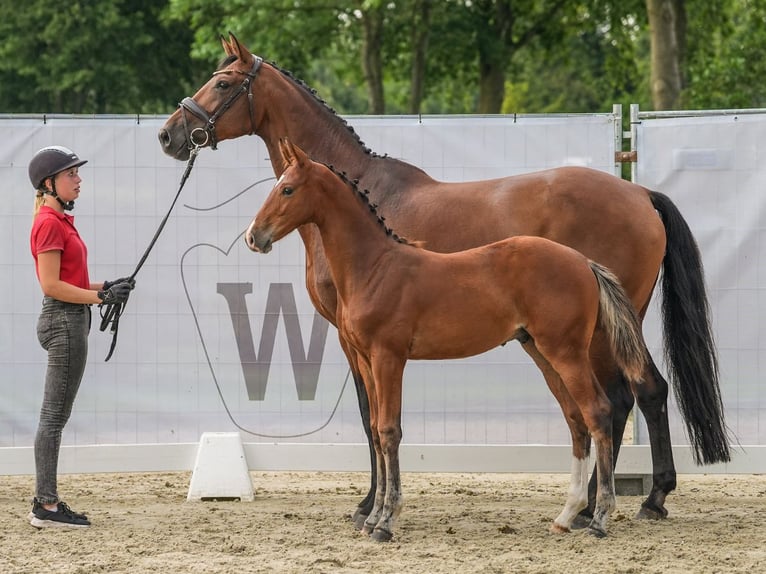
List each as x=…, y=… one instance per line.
x=434, y=346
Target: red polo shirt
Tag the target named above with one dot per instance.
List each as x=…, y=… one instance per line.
x=55, y=231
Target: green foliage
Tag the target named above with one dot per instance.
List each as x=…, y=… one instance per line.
x=294, y=33
x=143, y=56
x=727, y=67
x=595, y=63
x=94, y=56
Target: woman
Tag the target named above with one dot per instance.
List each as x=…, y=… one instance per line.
x=64, y=323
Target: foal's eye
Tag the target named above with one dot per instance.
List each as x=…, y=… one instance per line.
x=222, y=85
x=287, y=191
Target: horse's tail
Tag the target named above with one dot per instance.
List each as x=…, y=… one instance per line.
x=689, y=348
x=618, y=319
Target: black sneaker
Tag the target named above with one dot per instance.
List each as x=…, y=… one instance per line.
x=36, y=505
x=62, y=517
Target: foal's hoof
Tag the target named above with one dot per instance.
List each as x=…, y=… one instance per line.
x=381, y=535
x=581, y=521
x=359, y=518
x=596, y=531
x=558, y=529
x=647, y=513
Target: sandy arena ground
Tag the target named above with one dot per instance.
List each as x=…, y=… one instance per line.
x=451, y=523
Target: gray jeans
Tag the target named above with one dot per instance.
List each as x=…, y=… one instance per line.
x=62, y=330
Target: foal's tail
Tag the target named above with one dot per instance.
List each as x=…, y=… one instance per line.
x=618, y=319
x=689, y=347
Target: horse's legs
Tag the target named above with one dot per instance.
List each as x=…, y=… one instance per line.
x=652, y=397
x=372, y=517
x=365, y=506
x=368, y=526
x=577, y=498
x=388, y=370
x=605, y=498
x=620, y=395
x=583, y=386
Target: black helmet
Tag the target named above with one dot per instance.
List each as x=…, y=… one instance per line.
x=51, y=160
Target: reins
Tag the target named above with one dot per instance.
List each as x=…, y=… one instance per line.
x=111, y=312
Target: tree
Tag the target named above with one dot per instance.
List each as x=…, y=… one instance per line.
x=421, y=13
x=725, y=66
x=665, y=24
x=600, y=57
x=392, y=56
x=372, y=19
x=90, y=57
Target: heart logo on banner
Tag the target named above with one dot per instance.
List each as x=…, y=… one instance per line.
x=252, y=313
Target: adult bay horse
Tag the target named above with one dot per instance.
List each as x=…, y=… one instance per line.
x=629, y=229
x=397, y=302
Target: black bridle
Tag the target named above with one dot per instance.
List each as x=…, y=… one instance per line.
x=207, y=133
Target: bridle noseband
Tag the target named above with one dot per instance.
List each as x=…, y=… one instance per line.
x=207, y=133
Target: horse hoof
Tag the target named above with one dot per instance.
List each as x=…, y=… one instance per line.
x=365, y=529
x=581, y=521
x=647, y=513
x=358, y=519
x=558, y=529
x=381, y=535
x=596, y=532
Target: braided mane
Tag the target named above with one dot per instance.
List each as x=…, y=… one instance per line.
x=364, y=197
x=289, y=75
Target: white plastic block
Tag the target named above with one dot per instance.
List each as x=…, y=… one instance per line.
x=220, y=471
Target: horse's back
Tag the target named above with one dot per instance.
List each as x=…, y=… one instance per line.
x=608, y=219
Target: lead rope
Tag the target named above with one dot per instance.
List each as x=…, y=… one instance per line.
x=111, y=312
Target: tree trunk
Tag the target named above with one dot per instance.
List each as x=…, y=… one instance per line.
x=681, y=25
x=665, y=54
x=495, y=47
x=491, y=87
x=372, y=65
x=420, y=25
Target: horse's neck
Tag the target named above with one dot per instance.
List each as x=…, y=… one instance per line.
x=352, y=239
x=290, y=110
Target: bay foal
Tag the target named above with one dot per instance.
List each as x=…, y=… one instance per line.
x=398, y=301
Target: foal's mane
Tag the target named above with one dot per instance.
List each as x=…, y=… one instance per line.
x=364, y=197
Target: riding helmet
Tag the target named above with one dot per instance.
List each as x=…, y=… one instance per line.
x=51, y=160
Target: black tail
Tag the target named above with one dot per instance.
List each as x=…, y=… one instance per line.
x=689, y=348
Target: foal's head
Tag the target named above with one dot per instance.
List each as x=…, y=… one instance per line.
x=288, y=206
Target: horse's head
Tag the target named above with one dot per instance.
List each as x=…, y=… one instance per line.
x=287, y=206
x=219, y=110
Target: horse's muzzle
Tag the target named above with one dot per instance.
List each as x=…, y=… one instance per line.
x=174, y=146
x=258, y=242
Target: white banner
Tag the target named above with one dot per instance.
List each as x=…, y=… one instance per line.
x=712, y=167
x=205, y=305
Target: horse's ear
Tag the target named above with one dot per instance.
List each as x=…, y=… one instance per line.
x=239, y=50
x=286, y=150
x=298, y=155
x=226, y=46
